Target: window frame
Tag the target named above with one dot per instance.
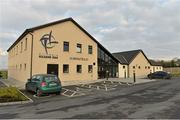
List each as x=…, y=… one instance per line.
x=90, y=68
x=78, y=46
x=64, y=68
x=90, y=49
x=64, y=48
x=79, y=71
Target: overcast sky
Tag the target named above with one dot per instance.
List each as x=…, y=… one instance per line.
x=119, y=25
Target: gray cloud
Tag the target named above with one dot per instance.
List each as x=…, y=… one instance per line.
x=151, y=25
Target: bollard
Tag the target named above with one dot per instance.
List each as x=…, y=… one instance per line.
x=134, y=76
x=124, y=74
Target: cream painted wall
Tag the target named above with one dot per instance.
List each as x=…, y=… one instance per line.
x=156, y=68
x=71, y=33
x=123, y=71
x=66, y=31
x=20, y=58
x=144, y=69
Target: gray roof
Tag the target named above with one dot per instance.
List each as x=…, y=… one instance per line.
x=155, y=63
x=127, y=57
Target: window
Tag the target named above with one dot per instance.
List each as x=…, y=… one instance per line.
x=90, y=68
x=124, y=67
x=24, y=66
x=79, y=68
x=25, y=48
x=148, y=67
x=139, y=67
x=79, y=48
x=90, y=49
x=21, y=46
x=134, y=67
x=66, y=46
x=145, y=67
x=16, y=50
x=20, y=66
x=65, y=68
x=156, y=67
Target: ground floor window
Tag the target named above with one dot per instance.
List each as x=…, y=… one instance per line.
x=79, y=68
x=90, y=68
x=65, y=68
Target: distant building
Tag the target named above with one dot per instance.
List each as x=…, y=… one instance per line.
x=156, y=65
x=134, y=61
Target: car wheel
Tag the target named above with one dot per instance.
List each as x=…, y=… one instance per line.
x=38, y=93
x=26, y=88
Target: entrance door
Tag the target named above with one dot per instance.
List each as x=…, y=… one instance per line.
x=52, y=69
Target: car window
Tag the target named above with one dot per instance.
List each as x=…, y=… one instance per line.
x=36, y=78
x=33, y=77
x=51, y=78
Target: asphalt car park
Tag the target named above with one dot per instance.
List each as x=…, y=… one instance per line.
x=83, y=89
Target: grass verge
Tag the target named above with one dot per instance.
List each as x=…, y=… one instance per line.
x=3, y=74
x=11, y=94
x=175, y=74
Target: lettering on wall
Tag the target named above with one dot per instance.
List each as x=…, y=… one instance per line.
x=76, y=58
x=41, y=55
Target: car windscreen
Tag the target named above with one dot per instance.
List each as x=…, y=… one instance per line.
x=51, y=78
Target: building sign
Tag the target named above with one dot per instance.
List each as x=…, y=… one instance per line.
x=76, y=58
x=52, y=56
x=48, y=41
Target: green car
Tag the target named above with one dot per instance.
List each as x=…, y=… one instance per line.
x=44, y=84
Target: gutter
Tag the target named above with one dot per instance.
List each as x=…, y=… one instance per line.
x=31, y=54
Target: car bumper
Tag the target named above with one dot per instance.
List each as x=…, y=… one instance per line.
x=51, y=90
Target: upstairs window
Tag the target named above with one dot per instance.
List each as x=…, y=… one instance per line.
x=66, y=46
x=25, y=48
x=79, y=48
x=90, y=49
x=21, y=46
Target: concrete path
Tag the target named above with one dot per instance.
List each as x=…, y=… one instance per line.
x=14, y=83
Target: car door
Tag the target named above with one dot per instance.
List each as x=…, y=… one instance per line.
x=30, y=83
x=35, y=82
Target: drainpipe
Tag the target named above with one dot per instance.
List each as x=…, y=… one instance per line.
x=31, y=53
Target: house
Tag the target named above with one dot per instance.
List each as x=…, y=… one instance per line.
x=155, y=66
x=131, y=62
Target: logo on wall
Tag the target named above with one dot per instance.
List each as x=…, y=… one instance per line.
x=48, y=41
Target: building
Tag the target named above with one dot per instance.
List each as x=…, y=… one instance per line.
x=66, y=49
x=155, y=66
x=63, y=48
x=134, y=61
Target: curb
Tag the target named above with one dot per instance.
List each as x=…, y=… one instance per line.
x=18, y=102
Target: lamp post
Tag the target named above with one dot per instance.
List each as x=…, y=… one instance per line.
x=134, y=76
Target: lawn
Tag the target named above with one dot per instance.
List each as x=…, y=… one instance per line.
x=3, y=74
x=11, y=94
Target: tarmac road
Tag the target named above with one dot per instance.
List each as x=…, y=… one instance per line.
x=159, y=99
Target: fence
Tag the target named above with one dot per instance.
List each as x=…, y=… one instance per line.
x=173, y=70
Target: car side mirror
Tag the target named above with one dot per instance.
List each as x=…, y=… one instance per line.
x=29, y=80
